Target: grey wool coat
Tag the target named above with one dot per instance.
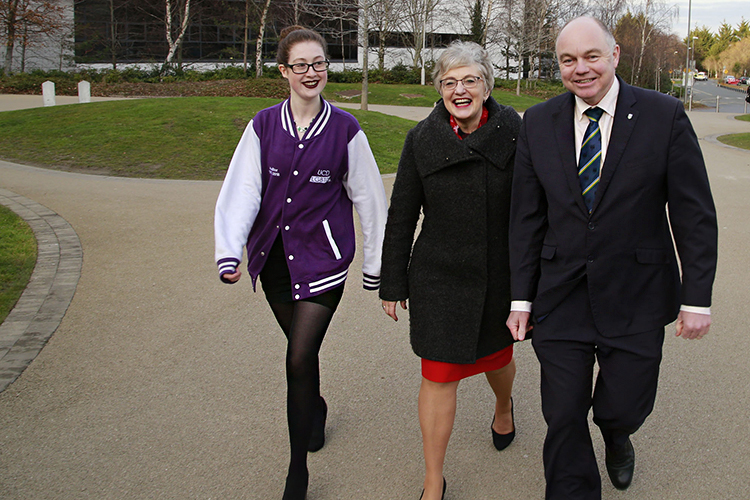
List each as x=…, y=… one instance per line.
x=456, y=276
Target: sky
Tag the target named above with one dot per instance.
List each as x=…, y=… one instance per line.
x=710, y=13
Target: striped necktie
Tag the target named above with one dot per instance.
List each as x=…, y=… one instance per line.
x=590, y=157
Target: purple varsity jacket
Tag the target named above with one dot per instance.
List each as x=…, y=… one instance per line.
x=303, y=189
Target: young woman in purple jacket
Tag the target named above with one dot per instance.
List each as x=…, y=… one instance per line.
x=287, y=198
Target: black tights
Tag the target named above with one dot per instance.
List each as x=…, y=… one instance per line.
x=304, y=324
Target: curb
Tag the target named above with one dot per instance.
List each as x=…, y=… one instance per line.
x=41, y=307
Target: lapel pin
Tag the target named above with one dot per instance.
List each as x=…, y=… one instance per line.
x=630, y=115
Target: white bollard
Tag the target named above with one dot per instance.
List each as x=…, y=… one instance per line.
x=717, y=104
x=48, y=93
x=84, y=92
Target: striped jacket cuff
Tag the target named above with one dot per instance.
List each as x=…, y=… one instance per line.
x=227, y=266
x=370, y=282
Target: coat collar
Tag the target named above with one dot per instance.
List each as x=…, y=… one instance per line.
x=494, y=141
x=316, y=126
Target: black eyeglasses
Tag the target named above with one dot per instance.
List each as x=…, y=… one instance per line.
x=302, y=68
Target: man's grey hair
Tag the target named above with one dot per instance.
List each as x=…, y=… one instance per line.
x=459, y=54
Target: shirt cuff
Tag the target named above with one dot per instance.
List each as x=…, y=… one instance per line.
x=696, y=309
x=520, y=306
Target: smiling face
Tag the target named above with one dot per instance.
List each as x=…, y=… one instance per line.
x=465, y=104
x=310, y=84
x=587, y=59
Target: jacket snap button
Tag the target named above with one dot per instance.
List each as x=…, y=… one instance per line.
x=301, y=146
x=296, y=173
x=288, y=200
x=286, y=228
x=592, y=226
x=262, y=254
x=296, y=287
x=296, y=296
x=590, y=259
x=291, y=257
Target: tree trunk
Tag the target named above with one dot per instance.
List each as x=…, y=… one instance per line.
x=245, y=40
x=343, y=54
x=112, y=34
x=174, y=43
x=10, y=33
x=259, y=41
x=486, y=23
x=365, y=58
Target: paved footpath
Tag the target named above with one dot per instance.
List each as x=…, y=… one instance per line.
x=161, y=382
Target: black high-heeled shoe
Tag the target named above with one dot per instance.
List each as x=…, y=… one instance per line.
x=445, y=485
x=318, y=436
x=502, y=441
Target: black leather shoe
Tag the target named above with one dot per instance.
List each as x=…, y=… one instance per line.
x=502, y=441
x=318, y=436
x=445, y=485
x=620, y=465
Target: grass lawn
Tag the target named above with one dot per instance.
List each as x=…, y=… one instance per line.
x=17, y=258
x=737, y=140
x=415, y=95
x=172, y=138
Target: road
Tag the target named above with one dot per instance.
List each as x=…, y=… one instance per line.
x=730, y=100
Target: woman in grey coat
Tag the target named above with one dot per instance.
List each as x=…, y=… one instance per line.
x=456, y=168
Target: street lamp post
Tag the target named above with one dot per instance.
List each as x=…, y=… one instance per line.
x=687, y=56
x=690, y=80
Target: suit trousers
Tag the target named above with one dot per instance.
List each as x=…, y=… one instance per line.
x=567, y=344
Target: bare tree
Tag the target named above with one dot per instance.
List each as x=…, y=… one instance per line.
x=20, y=20
x=608, y=11
x=416, y=16
x=652, y=17
x=259, y=41
x=178, y=14
x=382, y=17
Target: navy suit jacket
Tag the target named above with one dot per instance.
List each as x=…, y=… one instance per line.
x=654, y=187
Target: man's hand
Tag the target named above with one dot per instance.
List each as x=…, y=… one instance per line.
x=692, y=325
x=390, y=308
x=518, y=324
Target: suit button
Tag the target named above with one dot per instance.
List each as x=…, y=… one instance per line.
x=590, y=259
x=592, y=226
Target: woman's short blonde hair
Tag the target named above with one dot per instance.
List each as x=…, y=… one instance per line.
x=459, y=54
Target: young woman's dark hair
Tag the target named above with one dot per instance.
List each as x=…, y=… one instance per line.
x=292, y=35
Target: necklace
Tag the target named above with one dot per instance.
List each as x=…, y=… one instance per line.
x=302, y=130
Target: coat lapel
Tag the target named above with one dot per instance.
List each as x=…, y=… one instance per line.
x=626, y=116
x=562, y=123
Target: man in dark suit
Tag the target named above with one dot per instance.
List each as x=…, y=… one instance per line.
x=604, y=177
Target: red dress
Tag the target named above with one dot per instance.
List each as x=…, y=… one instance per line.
x=438, y=371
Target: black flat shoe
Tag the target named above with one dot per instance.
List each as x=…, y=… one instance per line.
x=502, y=441
x=296, y=487
x=620, y=465
x=318, y=436
x=445, y=485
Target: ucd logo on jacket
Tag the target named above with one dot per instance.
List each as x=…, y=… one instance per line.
x=323, y=177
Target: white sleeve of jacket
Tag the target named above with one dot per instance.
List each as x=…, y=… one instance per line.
x=365, y=188
x=238, y=203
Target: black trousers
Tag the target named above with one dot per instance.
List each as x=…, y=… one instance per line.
x=567, y=344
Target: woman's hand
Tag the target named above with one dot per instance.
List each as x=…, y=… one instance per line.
x=232, y=277
x=389, y=307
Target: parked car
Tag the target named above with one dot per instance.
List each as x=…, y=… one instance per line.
x=744, y=80
x=731, y=80
x=701, y=76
